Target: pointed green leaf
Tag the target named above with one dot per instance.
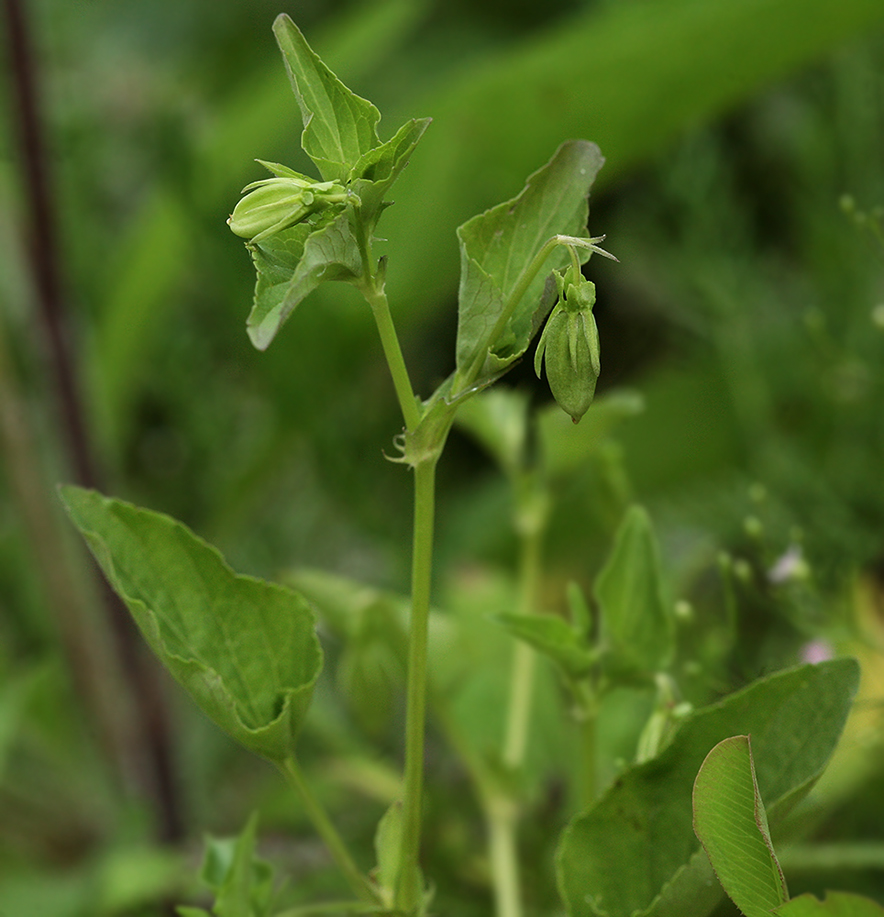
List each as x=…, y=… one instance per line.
x=637, y=626
x=496, y=247
x=242, y=883
x=376, y=171
x=554, y=637
x=731, y=824
x=635, y=852
x=246, y=650
x=292, y=265
x=836, y=904
x=339, y=126
x=388, y=847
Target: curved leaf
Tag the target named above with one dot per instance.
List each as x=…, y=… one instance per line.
x=244, y=649
x=731, y=824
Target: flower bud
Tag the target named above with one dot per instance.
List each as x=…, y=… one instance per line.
x=570, y=344
x=274, y=204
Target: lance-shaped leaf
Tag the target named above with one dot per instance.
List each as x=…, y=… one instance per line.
x=836, y=904
x=292, y=265
x=498, y=245
x=635, y=852
x=339, y=126
x=241, y=881
x=246, y=650
x=731, y=824
x=636, y=622
x=554, y=637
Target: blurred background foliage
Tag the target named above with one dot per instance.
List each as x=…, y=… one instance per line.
x=748, y=311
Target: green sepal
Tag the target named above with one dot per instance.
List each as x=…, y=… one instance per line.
x=339, y=126
x=731, y=824
x=244, y=649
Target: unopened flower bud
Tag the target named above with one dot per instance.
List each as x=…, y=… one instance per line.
x=274, y=204
x=570, y=345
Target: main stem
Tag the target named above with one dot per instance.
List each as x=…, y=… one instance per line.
x=408, y=891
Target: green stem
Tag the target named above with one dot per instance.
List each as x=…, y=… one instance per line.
x=377, y=299
x=408, y=891
x=588, y=779
x=502, y=816
x=522, y=679
x=358, y=883
x=503, y=813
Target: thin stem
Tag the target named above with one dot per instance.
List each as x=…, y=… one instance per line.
x=408, y=891
x=522, y=679
x=502, y=815
x=319, y=817
x=377, y=299
x=588, y=779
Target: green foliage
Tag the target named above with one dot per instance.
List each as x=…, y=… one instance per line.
x=500, y=309
x=836, y=904
x=635, y=851
x=731, y=823
x=636, y=621
x=241, y=882
x=750, y=323
x=244, y=649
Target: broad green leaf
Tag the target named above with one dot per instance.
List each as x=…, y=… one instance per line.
x=731, y=824
x=836, y=904
x=636, y=622
x=554, y=637
x=329, y=253
x=376, y=171
x=339, y=126
x=635, y=852
x=497, y=246
x=242, y=883
x=244, y=649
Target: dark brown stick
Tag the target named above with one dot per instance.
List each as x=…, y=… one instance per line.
x=153, y=742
